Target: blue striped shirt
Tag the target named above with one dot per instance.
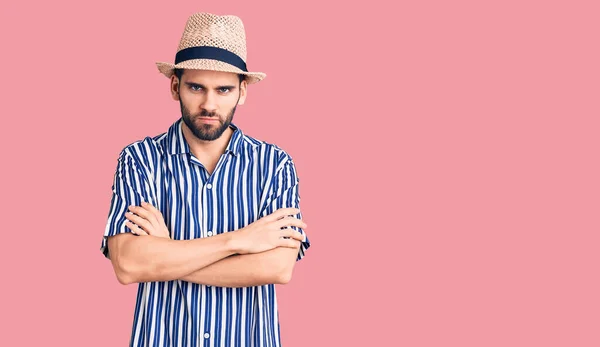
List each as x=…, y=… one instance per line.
x=251, y=180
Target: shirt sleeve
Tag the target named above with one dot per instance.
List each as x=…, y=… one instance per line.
x=284, y=192
x=130, y=187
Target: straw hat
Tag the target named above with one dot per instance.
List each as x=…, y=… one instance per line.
x=212, y=42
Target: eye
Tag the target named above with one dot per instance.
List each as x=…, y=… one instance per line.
x=195, y=87
x=224, y=90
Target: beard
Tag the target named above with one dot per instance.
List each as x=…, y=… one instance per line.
x=207, y=131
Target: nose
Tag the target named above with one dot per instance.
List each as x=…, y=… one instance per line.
x=210, y=102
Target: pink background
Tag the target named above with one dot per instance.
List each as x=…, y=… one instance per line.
x=447, y=152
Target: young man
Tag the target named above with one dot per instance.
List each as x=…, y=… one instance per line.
x=205, y=218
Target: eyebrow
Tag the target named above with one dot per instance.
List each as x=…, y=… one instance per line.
x=190, y=84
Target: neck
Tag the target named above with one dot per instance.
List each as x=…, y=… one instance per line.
x=201, y=148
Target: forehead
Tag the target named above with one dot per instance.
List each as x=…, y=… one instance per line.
x=208, y=77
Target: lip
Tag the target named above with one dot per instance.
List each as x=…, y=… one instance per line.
x=204, y=119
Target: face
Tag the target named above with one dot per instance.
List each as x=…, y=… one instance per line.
x=208, y=100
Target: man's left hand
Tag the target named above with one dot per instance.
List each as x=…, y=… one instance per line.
x=148, y=221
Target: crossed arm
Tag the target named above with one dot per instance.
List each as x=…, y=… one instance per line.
x=270, y=267
x=254, y=255
x=153, y=256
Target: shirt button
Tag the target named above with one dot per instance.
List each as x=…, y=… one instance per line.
x=208, y=186
x=209, y=233
x=206, y=335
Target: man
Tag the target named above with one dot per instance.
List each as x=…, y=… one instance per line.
x=204, y=217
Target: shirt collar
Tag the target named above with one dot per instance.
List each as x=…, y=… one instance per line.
x=177, y=144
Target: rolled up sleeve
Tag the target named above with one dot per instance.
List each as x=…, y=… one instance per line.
x=130, y=187
x=284, y=192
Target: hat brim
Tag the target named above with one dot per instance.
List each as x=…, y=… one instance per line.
x=167, y=69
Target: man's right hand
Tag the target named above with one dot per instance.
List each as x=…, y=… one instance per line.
x=266, y=233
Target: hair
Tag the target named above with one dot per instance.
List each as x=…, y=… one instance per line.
x=179, y=73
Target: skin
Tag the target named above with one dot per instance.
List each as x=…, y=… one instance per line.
x=212, y=95
x=254, y=255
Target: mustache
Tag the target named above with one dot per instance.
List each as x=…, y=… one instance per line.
x=205, y=113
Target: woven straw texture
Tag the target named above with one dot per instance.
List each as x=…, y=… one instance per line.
x=206, y=29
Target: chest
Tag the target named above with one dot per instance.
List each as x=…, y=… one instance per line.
x=197, y=201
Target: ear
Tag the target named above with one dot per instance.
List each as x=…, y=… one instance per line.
x=243, y=92
x=175, y=88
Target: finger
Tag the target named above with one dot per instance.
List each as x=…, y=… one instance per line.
x=296, y=235
x=141, y=211
x=289, y=243
x=290, y=221
x=142, y=222
x=154, y=210
x=135, y=229
x=282, y=212
x=146, y=214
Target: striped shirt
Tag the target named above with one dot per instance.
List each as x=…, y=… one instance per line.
x=251, y=180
